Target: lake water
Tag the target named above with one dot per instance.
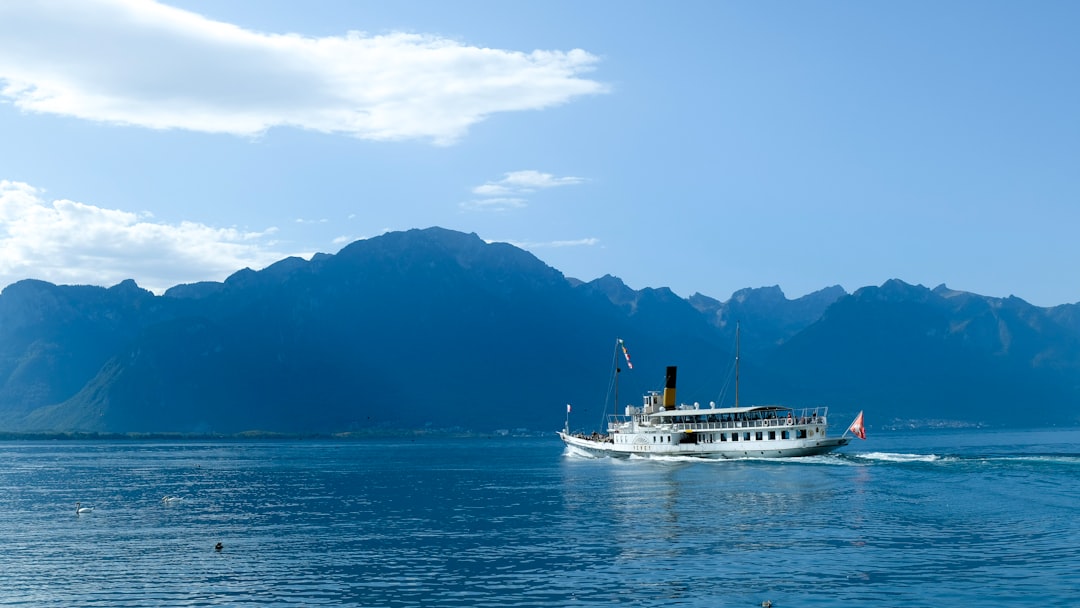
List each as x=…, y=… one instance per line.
x=972, y=518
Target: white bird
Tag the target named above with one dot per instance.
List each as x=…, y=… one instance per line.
x=170, y=499
x=79, y=509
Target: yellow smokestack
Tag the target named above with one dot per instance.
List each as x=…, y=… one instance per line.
x=669, y=389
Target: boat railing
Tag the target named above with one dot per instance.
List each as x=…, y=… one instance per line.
x=616, y=422
x=802, y=418
x=794, y=417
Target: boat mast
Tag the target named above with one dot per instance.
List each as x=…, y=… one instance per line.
x=619, y=344
x=615, y=406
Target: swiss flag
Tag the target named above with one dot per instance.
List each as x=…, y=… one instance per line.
x=857, y=427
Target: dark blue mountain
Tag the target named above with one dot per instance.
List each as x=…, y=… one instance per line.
x=439, y=329
x=915, y=354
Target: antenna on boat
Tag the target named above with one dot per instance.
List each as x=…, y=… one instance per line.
x=736, y=364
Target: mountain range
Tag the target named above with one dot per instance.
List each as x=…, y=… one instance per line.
x=435, y=329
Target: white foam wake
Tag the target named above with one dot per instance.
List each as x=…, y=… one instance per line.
x=894, y=457
x=574, y=452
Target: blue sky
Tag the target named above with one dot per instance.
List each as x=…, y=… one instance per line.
x=702, y=146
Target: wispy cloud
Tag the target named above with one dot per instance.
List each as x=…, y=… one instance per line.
x=508, y=192
x=586, y=242
x=524, y=182
x=501, y=203
x=138, y=62
x=69, y=242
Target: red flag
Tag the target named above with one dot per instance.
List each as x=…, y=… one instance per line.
x=626, y=354
x=857, y=427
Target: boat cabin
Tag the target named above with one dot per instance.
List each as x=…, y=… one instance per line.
x=768, y=421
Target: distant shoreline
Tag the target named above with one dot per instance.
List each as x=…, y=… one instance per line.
x=264, y=435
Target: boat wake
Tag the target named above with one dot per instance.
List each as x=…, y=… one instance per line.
x=671, y=458
x=1006, y=459
x=573, y=452
x=1064, y=459
x=894, y=457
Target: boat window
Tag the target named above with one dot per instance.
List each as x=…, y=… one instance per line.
x=746, y=436
x=758, y=436
x=734, y=436
x=772, y=434
x=785, y=434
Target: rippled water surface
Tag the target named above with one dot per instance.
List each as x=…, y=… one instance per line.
x=962, y=518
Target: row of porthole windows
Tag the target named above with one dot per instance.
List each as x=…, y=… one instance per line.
x=755, y=436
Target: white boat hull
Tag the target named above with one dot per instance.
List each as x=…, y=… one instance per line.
x=783, y=448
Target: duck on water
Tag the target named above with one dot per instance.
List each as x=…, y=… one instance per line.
x=662, y=428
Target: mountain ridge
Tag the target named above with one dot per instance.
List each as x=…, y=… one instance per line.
x=433, y=328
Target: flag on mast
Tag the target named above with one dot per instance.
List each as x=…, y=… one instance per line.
x=567, y=408
x=857, y=427
x=626, y=354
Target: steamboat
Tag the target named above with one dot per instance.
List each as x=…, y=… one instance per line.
x=662, y=428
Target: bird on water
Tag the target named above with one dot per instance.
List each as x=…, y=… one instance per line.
x=79, y=509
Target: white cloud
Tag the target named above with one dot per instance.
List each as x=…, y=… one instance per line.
x=492, y=190
x=68, y=242
x=524, y=182
x=138, y=62
x=508, y=192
